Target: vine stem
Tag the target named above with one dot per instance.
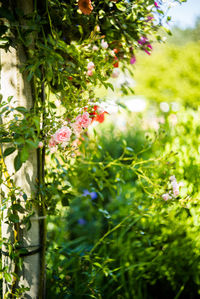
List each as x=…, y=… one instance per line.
x=111, y=231
x=16, y=225
x=42, y=208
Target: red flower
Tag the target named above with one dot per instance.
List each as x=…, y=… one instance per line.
x=116, y=64
x=98, y=114
x=116, y=50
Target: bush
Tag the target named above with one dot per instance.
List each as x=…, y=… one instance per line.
x=119, y=238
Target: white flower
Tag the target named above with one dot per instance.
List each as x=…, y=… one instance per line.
x=104, y=44
x=90, y=66
x=115, y=73
x=166, y=196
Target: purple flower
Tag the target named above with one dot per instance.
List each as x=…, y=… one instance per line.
x=150, y=18
x=86, y=192
x=146, y=51
x=92, y=194
x=81, y=221
x=142, y=40
x=146, y=46
x=132, y=60
x=156, y=4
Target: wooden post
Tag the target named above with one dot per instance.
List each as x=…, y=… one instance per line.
x=13, y=83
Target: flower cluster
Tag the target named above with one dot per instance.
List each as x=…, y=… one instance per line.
x=63, y=135
x=174, y=189
x=93, y=195
x=97, y=114
x=113, y=52
x=145, y=45
x=90, y=68
x=82, y=122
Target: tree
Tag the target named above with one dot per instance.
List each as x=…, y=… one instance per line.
x=170, y=75
x=53, y=49
x=183, y=36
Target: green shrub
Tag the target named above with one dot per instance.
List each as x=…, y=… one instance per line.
x=119, y=238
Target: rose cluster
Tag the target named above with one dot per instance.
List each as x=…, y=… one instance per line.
x=174, y=189
x=63, y=135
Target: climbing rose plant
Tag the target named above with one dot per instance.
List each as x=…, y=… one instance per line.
x=71, y=48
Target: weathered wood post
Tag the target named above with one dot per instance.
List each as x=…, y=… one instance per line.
x=13, y=83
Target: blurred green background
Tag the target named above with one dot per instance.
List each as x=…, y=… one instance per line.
x=114, y=236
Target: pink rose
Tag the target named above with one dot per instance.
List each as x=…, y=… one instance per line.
x=77, y=129
x=52, y=142
x=62, y=135
x=90, y=73
x=175, y=187
x=176, y=191
x=166, y=196
x=83, y=120
x=172, y=178
x=115, y=73
x=40, y=144
x=90, y=66
x=95, y=48
x=173, y=119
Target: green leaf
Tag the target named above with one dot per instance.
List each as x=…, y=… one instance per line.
x=24, y=154
x=9, y=99
x=8, y=277
x=23, y=110
x=14, y=218
x=52, y=105
x=65, y=201
x=129, y=149
x=32, y=143
x=6, y=13
x=10, y=249
x=9, y=151
x=17, y=162
x=4, y=140
x=97, y=264
x=24, y=196
x=3, y=29
x=121, y=7
x=36, y=121
x=18, y=207
x=30, y=75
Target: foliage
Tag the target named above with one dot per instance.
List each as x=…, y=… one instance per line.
x=120, y=238
x=170, y=76
x=68, y=53
x=183, y=36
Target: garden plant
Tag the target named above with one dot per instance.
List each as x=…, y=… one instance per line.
x=117, y=210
